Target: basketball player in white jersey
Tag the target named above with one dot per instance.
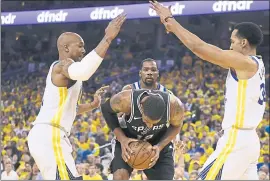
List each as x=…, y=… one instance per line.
x=149, y=74
x=48, y=139
x=238, y=149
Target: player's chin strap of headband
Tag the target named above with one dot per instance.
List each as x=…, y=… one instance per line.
x=84, y=69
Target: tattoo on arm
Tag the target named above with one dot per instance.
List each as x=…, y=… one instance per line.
x=63, y=65
x=121, y=102
x=116, y=103
x=177, y=112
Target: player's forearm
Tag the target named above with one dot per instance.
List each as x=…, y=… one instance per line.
x=84, y=69
x=111, y=119
x=120, y=135
x=170, y=134
x=103, y=46
x=190, y=40
x=82, y=108
x=110, y=116
x=199, y=47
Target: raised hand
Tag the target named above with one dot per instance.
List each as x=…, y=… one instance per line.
x=97, y=97
x=164, y=14
x=114, y=26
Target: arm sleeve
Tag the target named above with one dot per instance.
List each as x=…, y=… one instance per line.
x=84, y=69
x=109, y=115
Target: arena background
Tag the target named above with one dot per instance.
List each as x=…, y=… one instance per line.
x=27, y=50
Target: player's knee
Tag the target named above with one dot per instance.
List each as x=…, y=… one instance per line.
x=121, y=174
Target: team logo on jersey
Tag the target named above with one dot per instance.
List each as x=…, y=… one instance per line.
x=145, y=129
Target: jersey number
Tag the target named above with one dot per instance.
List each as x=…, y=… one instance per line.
x=146, y=138
x=262, y=97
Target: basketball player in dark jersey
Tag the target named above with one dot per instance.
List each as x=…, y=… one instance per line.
x=149, y=75
x=150, y=115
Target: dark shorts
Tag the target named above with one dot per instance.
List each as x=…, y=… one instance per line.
x=162, y=170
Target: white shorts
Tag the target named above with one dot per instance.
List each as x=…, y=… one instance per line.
x=235, y=157
x=52, y=152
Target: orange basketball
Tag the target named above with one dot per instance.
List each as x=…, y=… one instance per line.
x=142, y=155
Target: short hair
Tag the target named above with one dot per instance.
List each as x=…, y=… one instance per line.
x=250, y=31
x=147, y=60
x=154, y=107
x=100, y=167
x=194, y=172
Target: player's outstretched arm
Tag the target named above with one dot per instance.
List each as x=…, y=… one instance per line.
x=208, y=52
x=176, y=121
x=84, y=69
x=82, y=108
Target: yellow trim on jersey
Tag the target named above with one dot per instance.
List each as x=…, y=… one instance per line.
x=79, y=98
x=241, y=100
x=58, y=153
x=240, y=113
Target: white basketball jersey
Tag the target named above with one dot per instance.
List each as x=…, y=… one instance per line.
x=245, y=99
x=137, y=86
x=59, y=104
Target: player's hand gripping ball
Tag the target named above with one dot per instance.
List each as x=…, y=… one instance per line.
x=142, y=155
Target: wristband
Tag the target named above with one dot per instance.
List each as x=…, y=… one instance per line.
x=168, y=17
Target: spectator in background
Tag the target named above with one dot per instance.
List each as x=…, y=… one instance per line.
x=263, y=176
x=100, y=170
x=9, y=173
x=20, y=128
x=25, y=171
x=264, y=168
x=35, y=172
x=193, y=148
x=93, y=173
x=267, y=129
x=91, y=159
x=186, y=61
x=21, y=95
x=193, y=175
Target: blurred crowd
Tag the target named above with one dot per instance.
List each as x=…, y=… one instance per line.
x=198, y=84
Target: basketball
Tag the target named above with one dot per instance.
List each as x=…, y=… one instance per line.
x=142, y=155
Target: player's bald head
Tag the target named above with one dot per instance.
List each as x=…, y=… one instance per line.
x=68, y=38
x=70, y=45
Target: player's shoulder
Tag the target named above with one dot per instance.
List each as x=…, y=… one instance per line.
x=170, y=92
x=164, y=89
x=174, y=100
x=56, y=66
x=61, y=64
x=124, y=94
x=127, y=87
